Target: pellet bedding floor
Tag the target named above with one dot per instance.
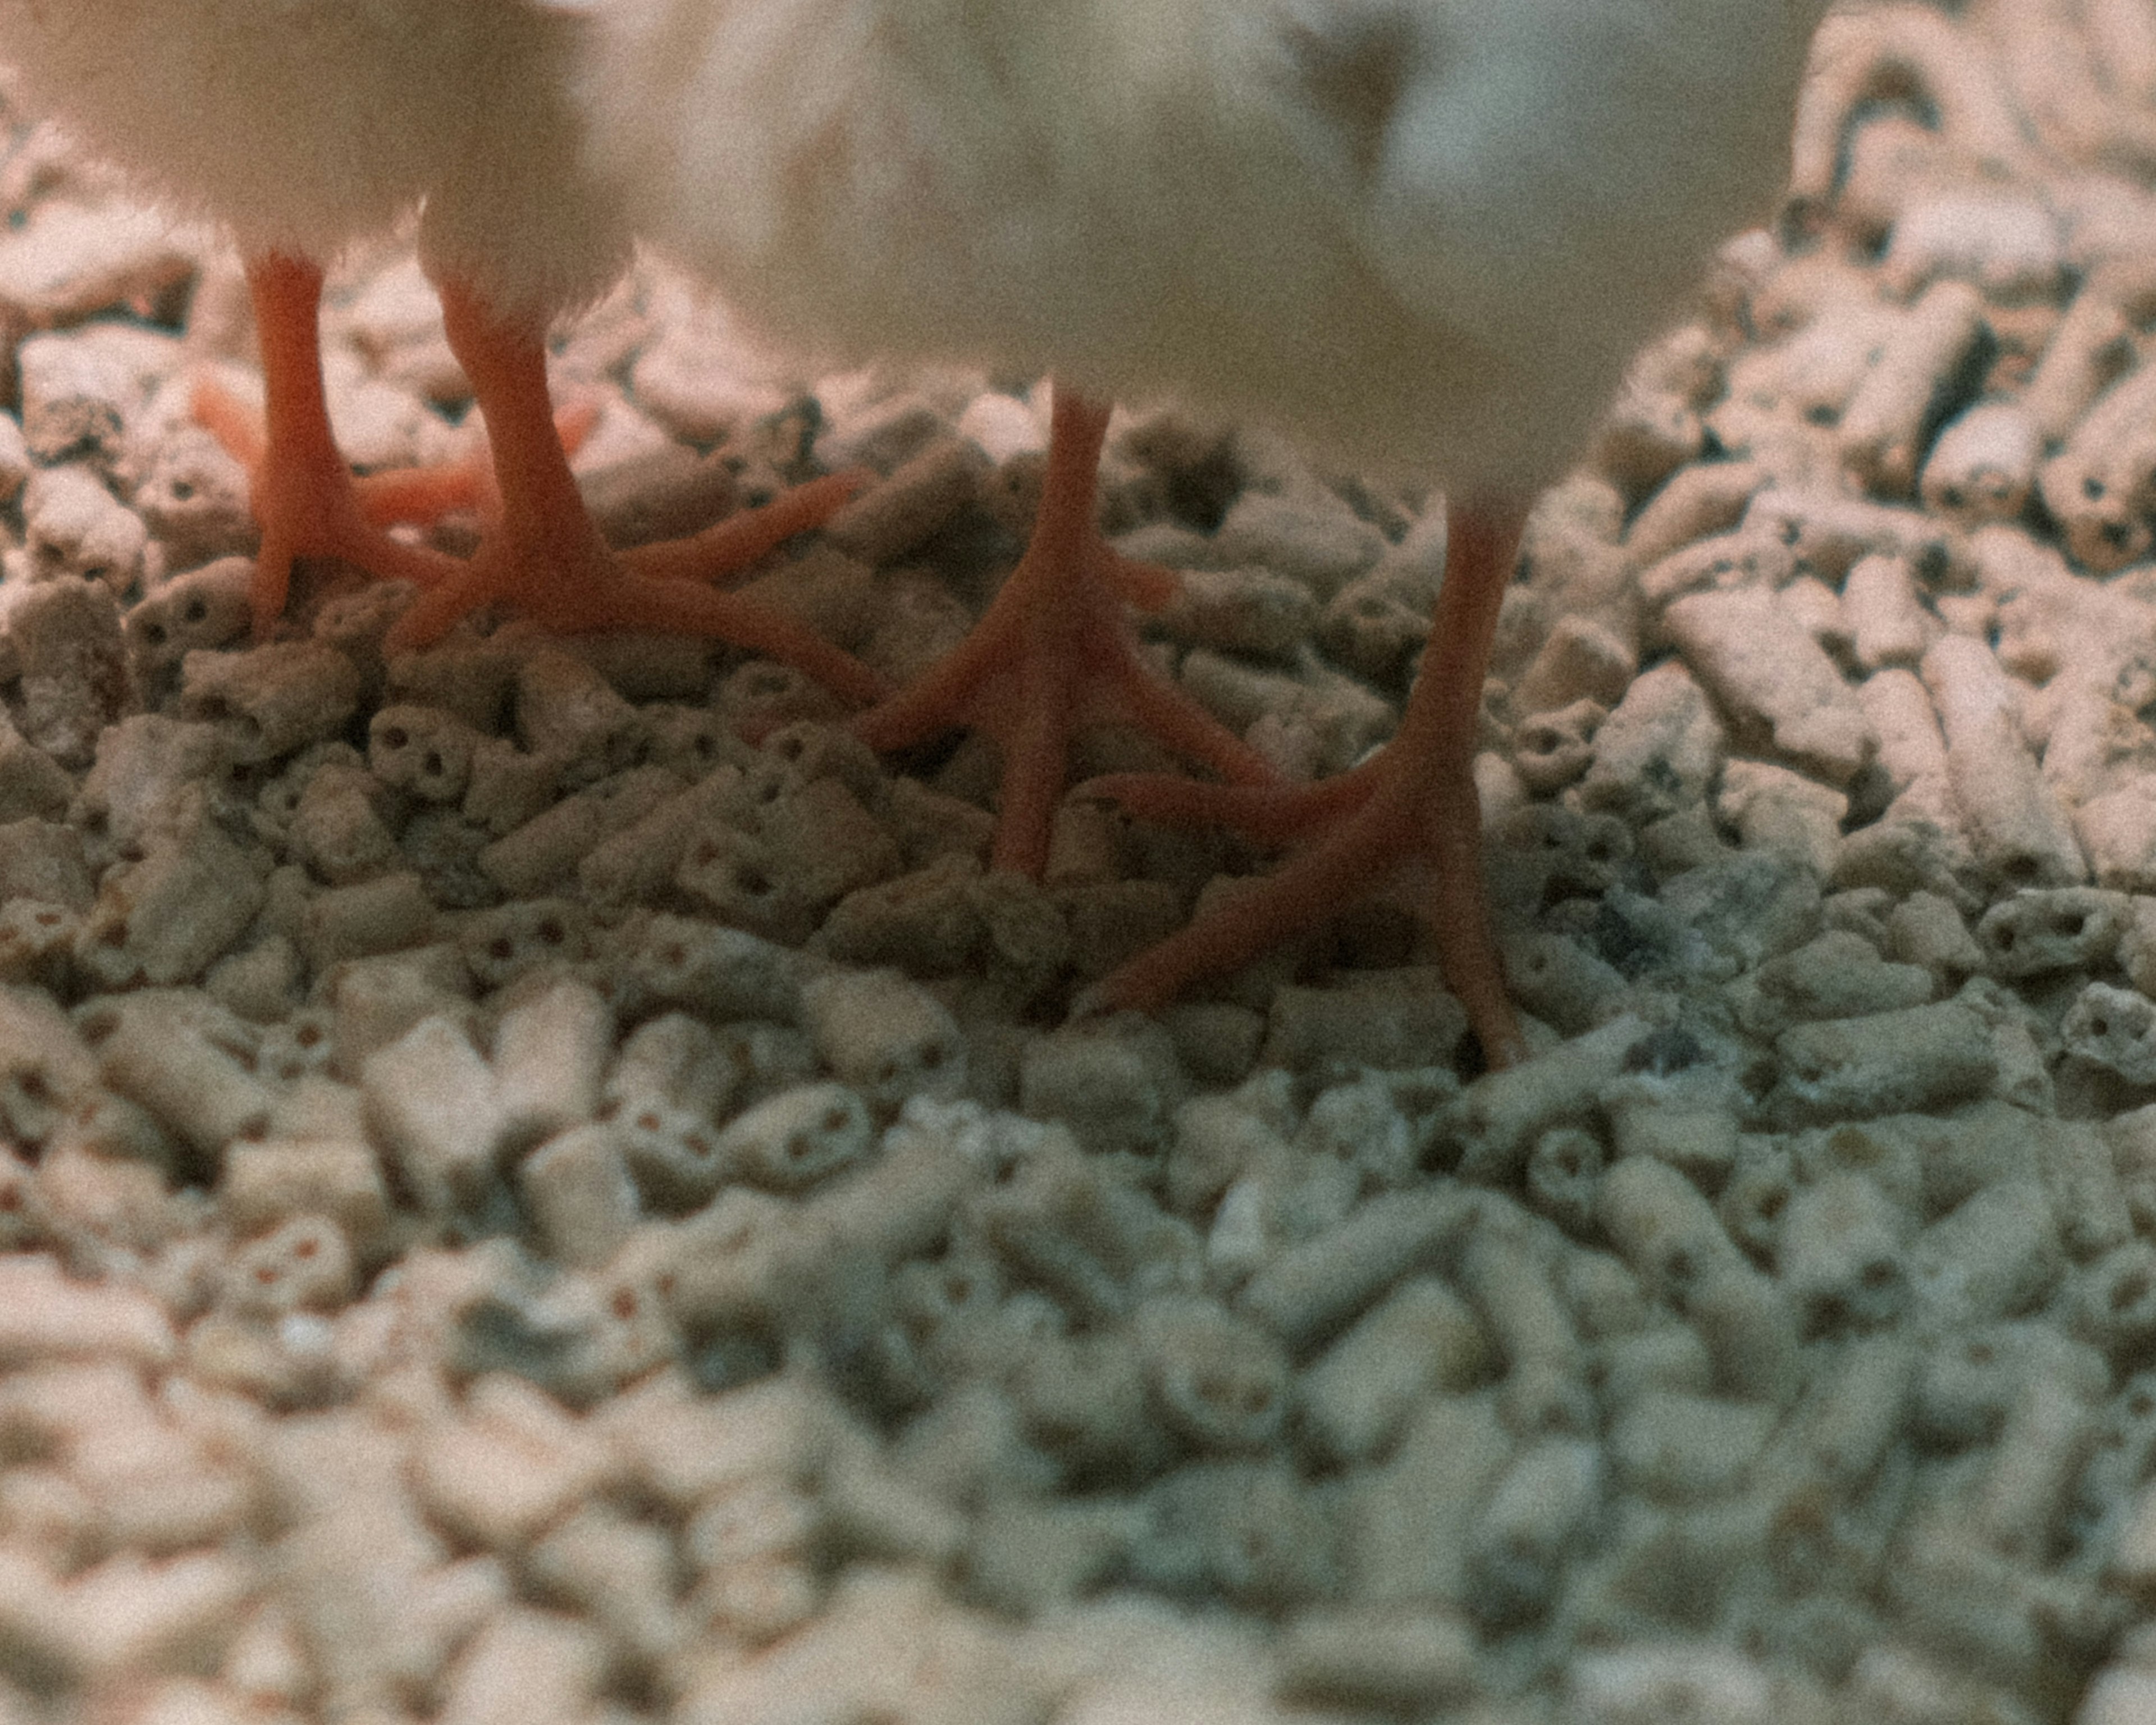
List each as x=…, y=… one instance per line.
x=524, y=1206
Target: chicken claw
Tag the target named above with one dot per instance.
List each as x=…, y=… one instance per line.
x=546, y=555
x=1413, y=804
x=1053, y=652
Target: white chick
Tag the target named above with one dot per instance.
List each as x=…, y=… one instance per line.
x=1421, y=236
x=302, y=125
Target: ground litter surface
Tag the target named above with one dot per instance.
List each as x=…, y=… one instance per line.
x=523, y=1206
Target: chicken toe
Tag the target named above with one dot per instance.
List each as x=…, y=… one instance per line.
x=1410, y=807
x=545, y=557
x=1053, y=652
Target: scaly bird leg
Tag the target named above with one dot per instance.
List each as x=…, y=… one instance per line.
x=423, y=495
x=1413, y=801
x=545, y=557
x=1053, y=652
x=300, y=490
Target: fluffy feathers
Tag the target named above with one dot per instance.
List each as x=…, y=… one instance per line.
x=1421, y=235
x=302, y=125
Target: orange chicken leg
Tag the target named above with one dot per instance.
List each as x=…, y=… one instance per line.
x=1054, y=651
x=544, y=550
x=1412, y=803
x=546, y=555
x=303, y=495
x=297, y=476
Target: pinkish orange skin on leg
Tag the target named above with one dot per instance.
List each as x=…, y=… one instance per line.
x=544, y=553
x=1412, y=803
x=419, y=496
x=546, y=558
x=423, y=496
x=1054, y=652
x=301, y=492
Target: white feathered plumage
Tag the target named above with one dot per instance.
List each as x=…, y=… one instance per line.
x=1419, y=235
x=302, y=125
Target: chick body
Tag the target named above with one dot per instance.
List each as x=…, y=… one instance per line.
x=1421, y=236
x=302, y=125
